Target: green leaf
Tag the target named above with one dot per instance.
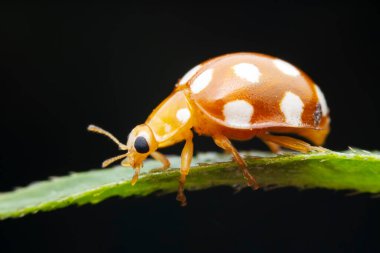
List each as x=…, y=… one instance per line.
x=356, y=170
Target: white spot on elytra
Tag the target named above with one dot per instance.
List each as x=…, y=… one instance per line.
x=202, y=81
x=292, y=107
x=189, y=75
x=322, y=101
x=183, y=115
x=167, y=128
x=247, y=71
x=238, y=113
x=286, y=67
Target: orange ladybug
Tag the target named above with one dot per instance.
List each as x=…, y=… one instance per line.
x=235, y=96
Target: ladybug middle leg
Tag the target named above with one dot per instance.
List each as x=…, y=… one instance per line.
x=186, y=157
x=223, y=142
x=291, y=143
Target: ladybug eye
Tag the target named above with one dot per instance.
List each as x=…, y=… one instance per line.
x=141, y=145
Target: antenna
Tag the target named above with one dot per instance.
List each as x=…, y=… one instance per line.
x=113, y=159
x=99, y=130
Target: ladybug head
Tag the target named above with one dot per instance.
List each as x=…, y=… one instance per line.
x=141, y=142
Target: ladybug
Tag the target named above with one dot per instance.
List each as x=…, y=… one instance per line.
x=236, y=96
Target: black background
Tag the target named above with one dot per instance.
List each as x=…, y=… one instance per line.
x=64, y=66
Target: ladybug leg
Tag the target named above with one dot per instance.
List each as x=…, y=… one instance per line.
x=161, y=158
x=291, y=143
x=225, y=144
x=186, y=157
x=275, y=148
x=135, y=176
x=125, y=163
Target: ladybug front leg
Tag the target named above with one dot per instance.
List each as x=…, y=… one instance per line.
x=135, y=177
x=186, y=157
x=161, y=158
x=223, y=142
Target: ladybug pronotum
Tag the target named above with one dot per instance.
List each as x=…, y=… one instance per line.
x=236, y=96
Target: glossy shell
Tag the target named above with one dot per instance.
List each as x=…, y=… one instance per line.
x=255, y=91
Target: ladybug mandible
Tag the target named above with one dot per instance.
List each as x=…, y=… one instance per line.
x=236, y=96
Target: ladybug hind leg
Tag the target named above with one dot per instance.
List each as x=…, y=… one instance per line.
x=290, y=143
x=275, y=148
x=225, y=144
